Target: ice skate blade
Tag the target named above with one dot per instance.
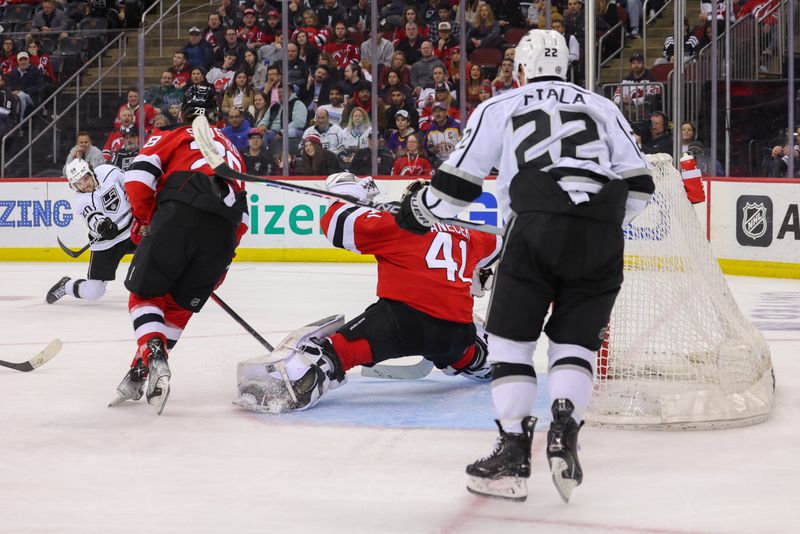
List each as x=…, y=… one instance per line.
x=122, y=397
x=563, y=485
x=160, y=394
x=506, y=488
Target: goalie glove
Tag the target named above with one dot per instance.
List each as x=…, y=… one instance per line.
x=414, y=214
x=107, y=229
x=347, y=183
x=482, y=281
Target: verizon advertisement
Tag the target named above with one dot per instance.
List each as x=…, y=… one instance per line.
x=756, y=220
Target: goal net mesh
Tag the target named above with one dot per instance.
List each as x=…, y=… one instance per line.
x=678, y=351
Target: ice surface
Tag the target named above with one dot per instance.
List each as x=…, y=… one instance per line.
x=374, y=456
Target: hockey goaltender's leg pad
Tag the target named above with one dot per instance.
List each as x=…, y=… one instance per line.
x=503, y=473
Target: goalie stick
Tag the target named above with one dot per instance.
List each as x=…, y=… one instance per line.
x=421, y=369
x=37, y=361
x=201, y=131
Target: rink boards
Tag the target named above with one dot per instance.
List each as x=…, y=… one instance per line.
x=753, y=224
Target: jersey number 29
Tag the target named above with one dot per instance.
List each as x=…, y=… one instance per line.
x=440, y=256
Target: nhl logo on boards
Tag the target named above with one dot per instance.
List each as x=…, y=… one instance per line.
x=111, y=200
x=754, y=221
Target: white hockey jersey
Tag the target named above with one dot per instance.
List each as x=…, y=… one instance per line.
x=580, y=138
x=108, y=200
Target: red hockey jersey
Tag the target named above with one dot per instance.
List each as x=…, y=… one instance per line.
x=431, y=273
x=168, y=151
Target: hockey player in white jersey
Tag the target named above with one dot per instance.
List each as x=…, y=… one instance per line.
x=570, y=177
x=101, y=200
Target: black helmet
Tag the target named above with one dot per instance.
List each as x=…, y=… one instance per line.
x=199, y=100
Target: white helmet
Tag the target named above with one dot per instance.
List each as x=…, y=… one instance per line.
x=347, y=183
x=76, y=170
x=542, y=53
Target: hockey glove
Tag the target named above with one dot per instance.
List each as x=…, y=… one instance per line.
x=482, y=281
x=107, y=229
x=138, y=231
x=414, y=215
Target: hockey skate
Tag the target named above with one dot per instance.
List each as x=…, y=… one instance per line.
x=562, y=448
x=326, y=374
x=132, y=386
x=159, y=375
x=504, y=473
x=57, y=291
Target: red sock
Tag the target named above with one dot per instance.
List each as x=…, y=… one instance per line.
x=351, y=353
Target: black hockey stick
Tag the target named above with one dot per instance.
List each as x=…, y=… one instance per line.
x=236, y=317
x=37, y=361
x=205, y=141
x=73, y=253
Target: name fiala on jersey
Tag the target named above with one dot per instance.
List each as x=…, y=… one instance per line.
x=560, y=95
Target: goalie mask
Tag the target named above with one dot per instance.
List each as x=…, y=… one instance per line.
x=76, y=170
x=347, y=183
x=541, y=53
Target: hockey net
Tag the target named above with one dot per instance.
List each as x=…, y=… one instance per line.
x=678, y=352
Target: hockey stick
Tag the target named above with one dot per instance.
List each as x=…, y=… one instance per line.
x=201, y=131
x=236, y=317
x=421, y=369
x=73, y=253
x=37, y=361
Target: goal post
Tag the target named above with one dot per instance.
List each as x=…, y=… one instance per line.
x=678, y=352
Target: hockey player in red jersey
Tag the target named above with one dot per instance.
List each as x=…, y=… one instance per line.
x=190, y=222
x=424, y=303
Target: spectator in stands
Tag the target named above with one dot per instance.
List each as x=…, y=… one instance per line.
x=272, y=53
x=410, y=45
x=221, y=77
x=257, y=160
x=413, y=162
x=306, y=52
x=214, y=33
x=272, y=124
x=255, y=70
x=85, y=150
x=444, y=14
x=272, y=29
x=356, y=133
x=298, y=70
x=363, y=99
x=258, y=110
x=237, y=129
x=399, y=136
x=330, y=12
x=400, y=102
x=129, y=150
x=160, y=122
x=198, y=52
x=262, y=11
x=174, y=114
x=475, y=79
x=9, y=108
x=353, y=79
x=393, y=82
x=227, y=13
x=573, y=19
x=239, y=95
x=8, y=56
x=362, y=159
x=439, y=77
x=383, y=56
x=358, y=18
x=198, y=77
x=441, y=96
x=104, y=9
x=446, y=42
x=442, y=136
x=41, y=61
x=505, y=78
x=49, y=19
x=335, y=106
x=132, y=103
x=776, y=163
x=638, y=92
x=164, y=95
x=422, y=70
x=703, y=160
x=315, y=160
x=411, y=14
x=317, y=89
x=341, y=47
x=486, y=91
x=660, y=141
x=331, y=135
x=114, y=141
x=181, y=72
x=272, y=84
x=317, y=34
x=26, y=83
x=688, y=134
x=557, y=23
x=399, y=67
x=690, y=45
x=484, y=31
x=249, y=32
x=231, y=43
x=509, y=14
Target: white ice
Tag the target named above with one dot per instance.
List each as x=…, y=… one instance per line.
x=374, y=456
